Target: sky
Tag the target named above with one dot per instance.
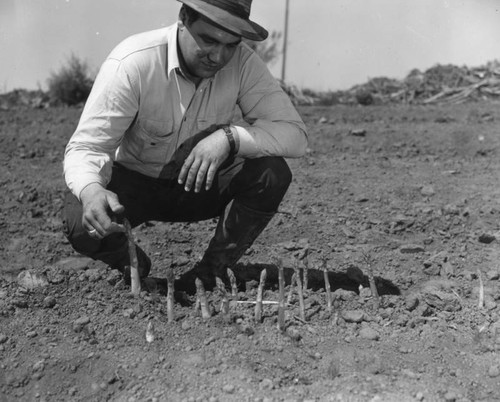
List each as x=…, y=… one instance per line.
x=332, y=44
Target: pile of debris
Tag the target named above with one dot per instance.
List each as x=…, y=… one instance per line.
x=439, y=84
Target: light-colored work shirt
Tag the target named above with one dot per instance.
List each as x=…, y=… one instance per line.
x=142, y=107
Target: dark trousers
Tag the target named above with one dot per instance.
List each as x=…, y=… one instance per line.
x=258, y=184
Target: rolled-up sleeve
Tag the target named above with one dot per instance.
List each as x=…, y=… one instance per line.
x=109, y=111
x=272, y=125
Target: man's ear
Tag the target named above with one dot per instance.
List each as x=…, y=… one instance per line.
x=182, y=17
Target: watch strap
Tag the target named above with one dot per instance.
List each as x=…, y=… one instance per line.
x=230, y=139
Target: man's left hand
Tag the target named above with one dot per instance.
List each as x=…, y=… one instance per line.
x=204, y=161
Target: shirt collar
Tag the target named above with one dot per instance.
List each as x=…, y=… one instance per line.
x=172, y=56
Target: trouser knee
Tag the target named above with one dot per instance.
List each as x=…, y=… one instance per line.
x=267, y=182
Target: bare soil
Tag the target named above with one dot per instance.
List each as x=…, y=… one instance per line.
x=409, y=193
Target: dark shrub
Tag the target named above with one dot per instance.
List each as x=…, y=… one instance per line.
x=70, y=85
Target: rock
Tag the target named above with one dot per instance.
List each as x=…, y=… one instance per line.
x=31, y=281
x=411, y=302
x=353, y=315
x=332, y=370
x=294, y=334
x=49, y=302
x=3, y=338
x=80, y=323
x=369, y=333
x=447, y=270
x=266, y=384
x=346, y=295
x=56, y=275
x=441, y=300
x=20, y=303
x=433, y=265
x=229, y=388
x=494, y=371
x=486, y=238
x=186, y=325
x=358, y=132
x=129, y=313
x=411, y=249
x=493, y=275
x=451, y=209
x=427, y=191
x=94, y=274
x=114, y=277
x=74, y=263
x=432, y=270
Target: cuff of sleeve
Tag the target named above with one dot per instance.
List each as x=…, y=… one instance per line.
x=245, y=143
x=78, y=185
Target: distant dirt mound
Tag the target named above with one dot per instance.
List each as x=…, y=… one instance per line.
x=438, y=84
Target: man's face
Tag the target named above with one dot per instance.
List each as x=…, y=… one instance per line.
x=205, y=47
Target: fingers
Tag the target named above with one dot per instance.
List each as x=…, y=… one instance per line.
x=203, y=161
x=96, y=219
x=212, y=170
x=189, y=172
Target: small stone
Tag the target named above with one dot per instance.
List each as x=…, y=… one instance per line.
x=369, y=333
x=266, y=384
x=450, y=396
x=114, y=277
x=486, y=238
x=31, y=281
x=49, y=302
x=358, y=132
x=80, y=323
x=411, y=302
x=494, y=371
x=185, y=325
x=3, y=338
x=20, y=303
x=353, y=316
x=129, y=313
x=345, y=295
x=411, y=249
x=493, y=275
x=228, y=388
x=294, y=334
x=427, y=191
x=333, y=370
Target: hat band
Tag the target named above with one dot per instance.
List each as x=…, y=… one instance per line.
x=231, y=6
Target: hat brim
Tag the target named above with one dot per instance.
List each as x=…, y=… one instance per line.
x=241, y=27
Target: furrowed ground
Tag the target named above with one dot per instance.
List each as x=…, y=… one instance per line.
x=408, y=192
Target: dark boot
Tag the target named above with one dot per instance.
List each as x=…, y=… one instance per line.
x=235, y=233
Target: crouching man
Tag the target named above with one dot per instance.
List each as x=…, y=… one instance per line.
x=183, y=124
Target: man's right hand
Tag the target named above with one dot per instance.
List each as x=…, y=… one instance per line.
x=98, y=203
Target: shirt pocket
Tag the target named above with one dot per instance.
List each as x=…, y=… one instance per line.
x=150, y=140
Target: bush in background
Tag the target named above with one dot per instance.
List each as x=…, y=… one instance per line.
x=70, y=85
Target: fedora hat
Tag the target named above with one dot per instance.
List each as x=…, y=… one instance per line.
x=232, y=15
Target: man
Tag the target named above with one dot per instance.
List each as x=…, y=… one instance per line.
x=160, y=139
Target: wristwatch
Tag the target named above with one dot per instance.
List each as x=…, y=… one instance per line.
x=230, y=139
